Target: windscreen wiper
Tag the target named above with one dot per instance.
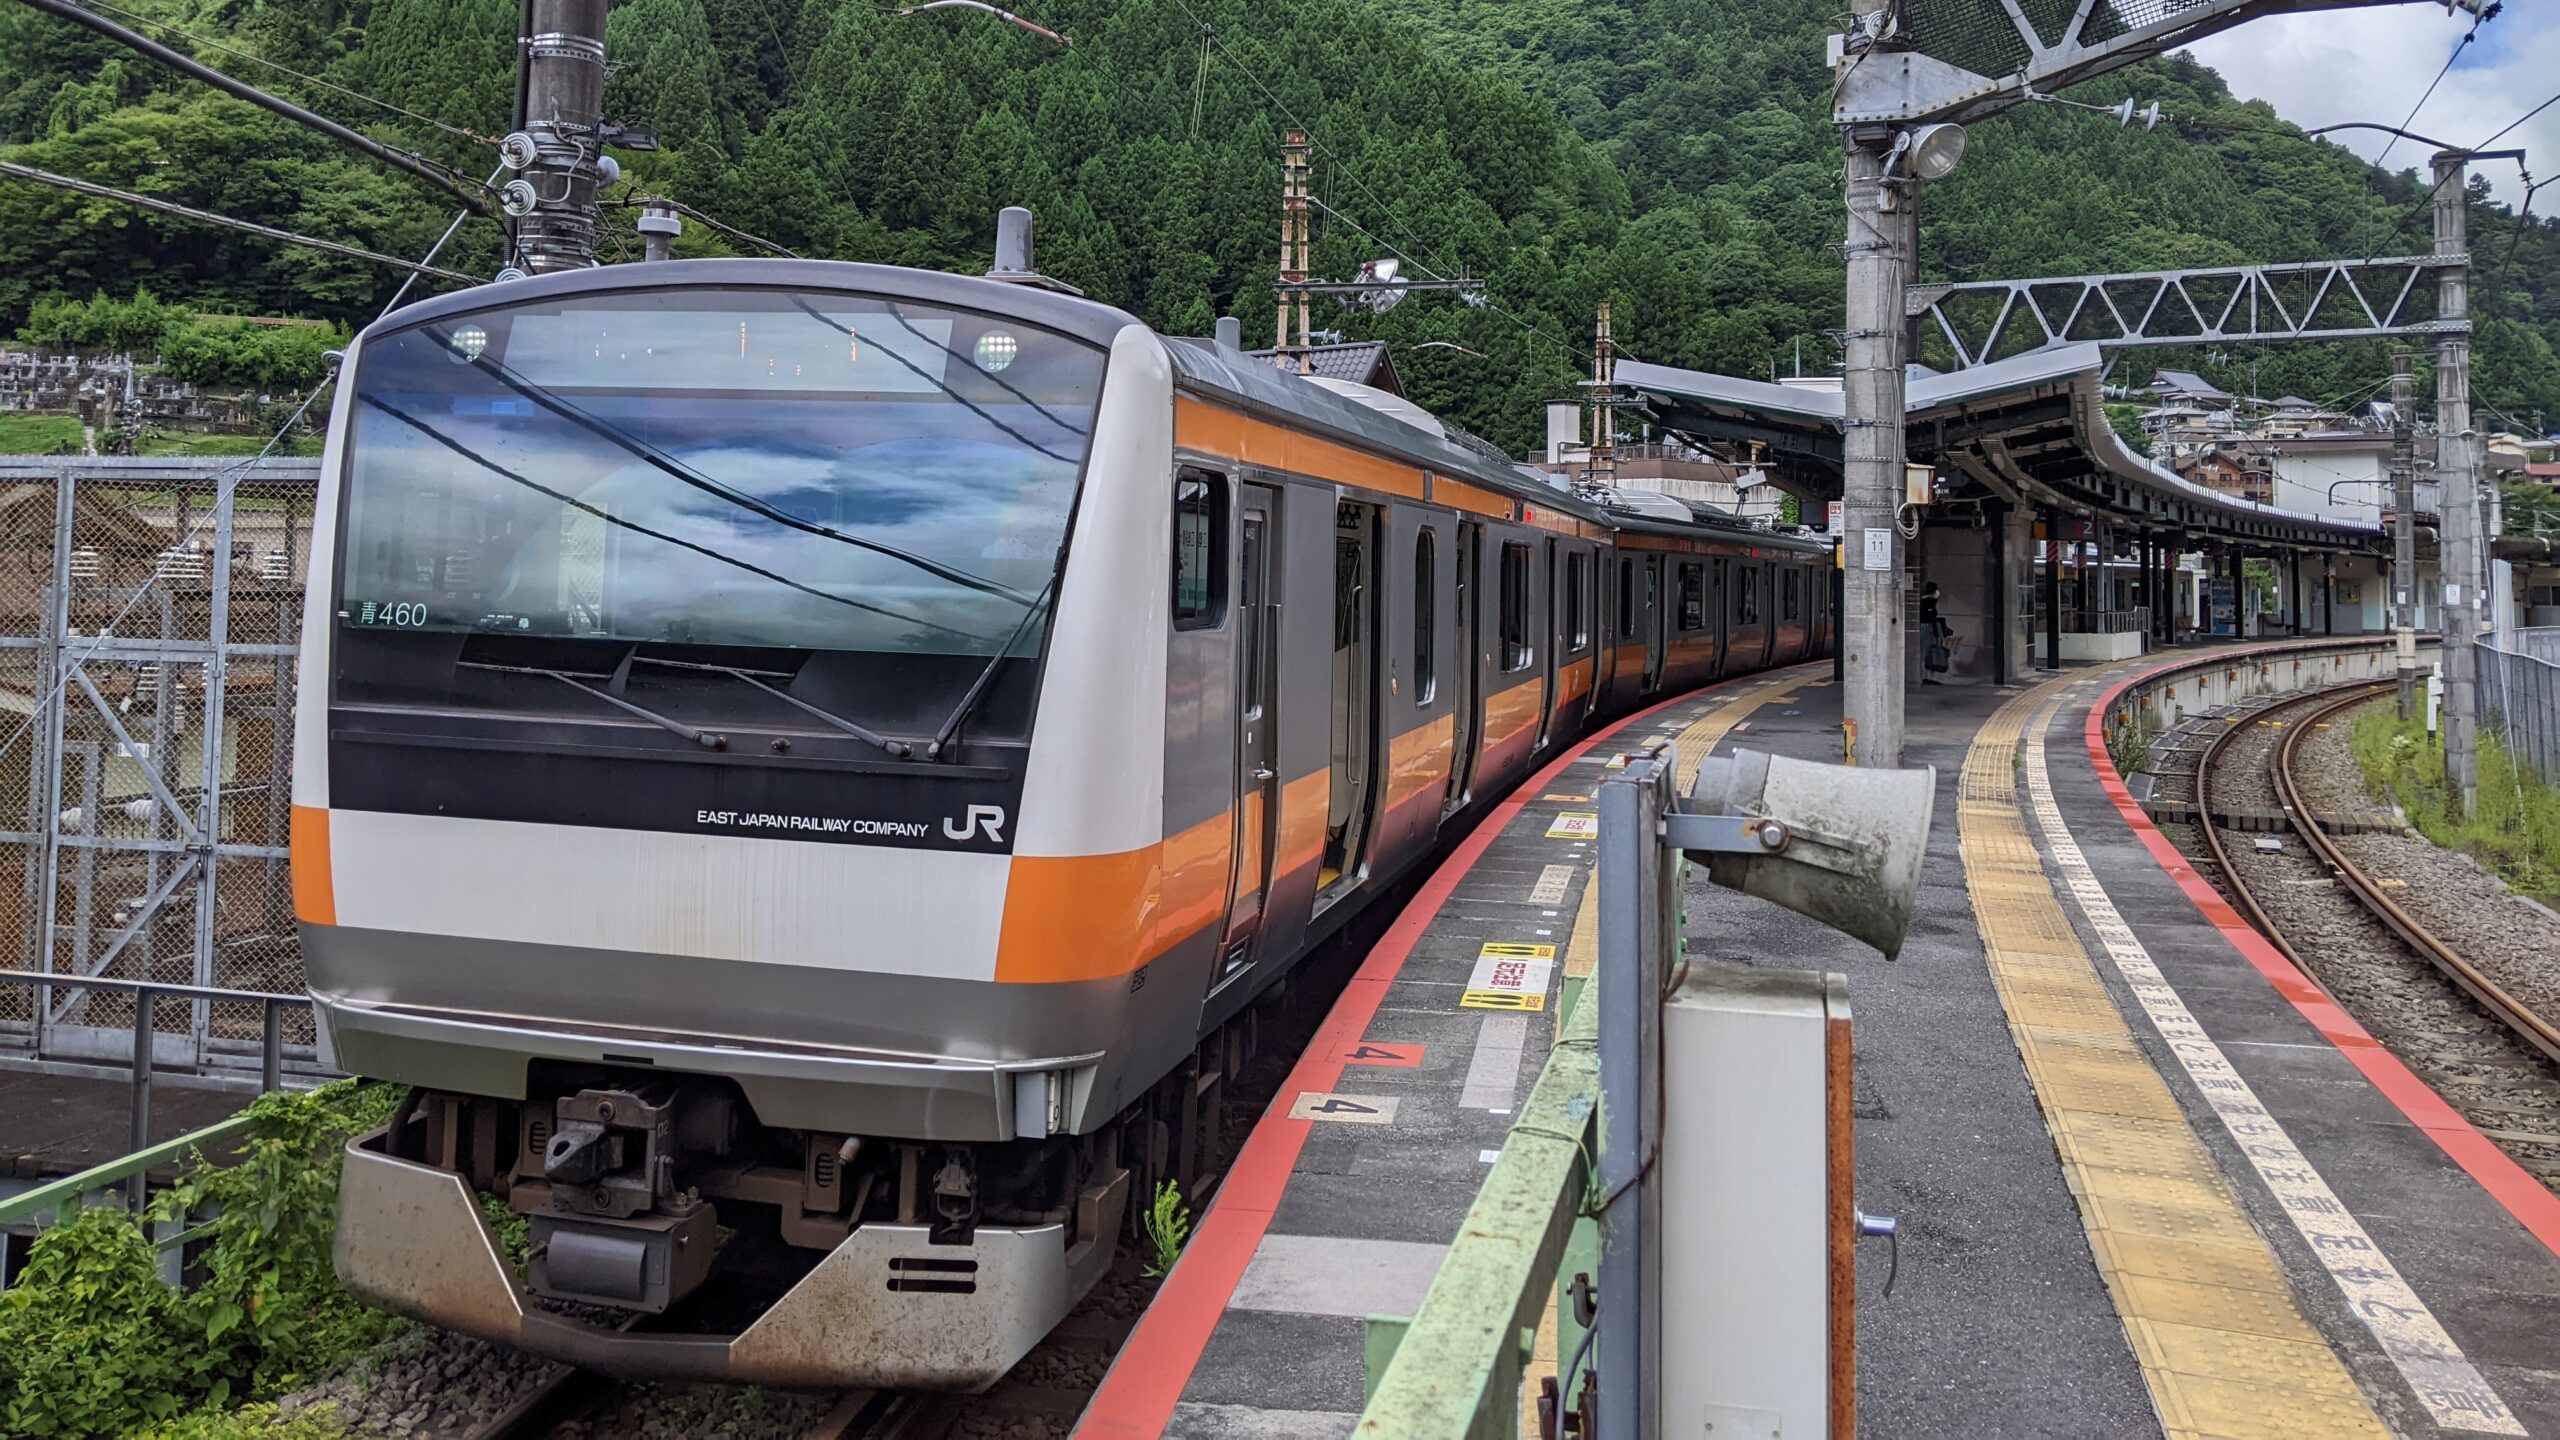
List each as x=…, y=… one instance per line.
x=898, y=749
x=704, y=738
x=978, y=688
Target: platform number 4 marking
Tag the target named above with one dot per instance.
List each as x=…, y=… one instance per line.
x=1349, y=1109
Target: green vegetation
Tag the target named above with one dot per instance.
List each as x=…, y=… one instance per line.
x=2515, y=829
x=203, y=350
x=39, y=435
x=1168, y=1225
x=2531, y=507
x=249, y=1422
x=1674, y=156
x=2126, y=420
x=2129, y=744
x=92, y=1342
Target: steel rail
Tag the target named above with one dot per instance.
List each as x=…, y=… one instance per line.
x=2517, y=1016
x=2532, y=1028
x=2241, y=895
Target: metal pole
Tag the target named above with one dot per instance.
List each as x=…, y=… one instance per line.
x=564, y=114
x=2052, y=589
x=1879, y=248
x=2328, y=594
x=2404, y=529
x=2456, y=459
x=1636, y=938
x=271, y=1049
x=138, y=1188
x=1999, y=587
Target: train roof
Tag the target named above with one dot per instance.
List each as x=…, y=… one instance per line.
x=1256, y=385
x=1199, y=365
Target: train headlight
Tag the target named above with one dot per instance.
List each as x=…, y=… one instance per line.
x=466, y=344
x=996, y=350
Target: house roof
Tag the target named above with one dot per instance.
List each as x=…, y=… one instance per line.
x=1362, y=362
x=2188, y=382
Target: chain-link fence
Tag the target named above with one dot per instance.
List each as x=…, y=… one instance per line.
x=2520, y=690
x=149, y=615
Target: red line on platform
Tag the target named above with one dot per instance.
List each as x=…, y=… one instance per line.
x=1146, y=1380
x=2532, y=1203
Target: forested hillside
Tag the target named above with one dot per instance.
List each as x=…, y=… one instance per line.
x=1670, y=154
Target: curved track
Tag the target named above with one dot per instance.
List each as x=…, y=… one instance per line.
x=2528, y=1026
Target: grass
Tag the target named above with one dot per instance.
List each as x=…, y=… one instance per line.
x=177, y=442
x=2515, y=827
x=39, y=434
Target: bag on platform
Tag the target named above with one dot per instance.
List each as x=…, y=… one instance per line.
x=1937, y=659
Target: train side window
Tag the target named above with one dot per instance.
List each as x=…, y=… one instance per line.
x=1787, y=596
x=1693, y=596
x=1426, y=590
x=1747, y=597
x=1515, y=607
x=1577, y=602
x=1199, y=550
x=1626, y=599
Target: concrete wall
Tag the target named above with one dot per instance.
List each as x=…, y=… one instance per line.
x=1958, y=557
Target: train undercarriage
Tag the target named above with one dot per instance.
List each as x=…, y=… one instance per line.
x=669, y=1235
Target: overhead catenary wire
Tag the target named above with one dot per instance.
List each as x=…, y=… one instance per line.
x=2458, y=46
x=283, y=69
x=207, y=217
x=477, y=197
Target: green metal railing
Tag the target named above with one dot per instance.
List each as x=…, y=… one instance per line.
x=58, y=1200
x=1455, y=1369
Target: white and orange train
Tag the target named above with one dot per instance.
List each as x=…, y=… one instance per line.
x=799, y=764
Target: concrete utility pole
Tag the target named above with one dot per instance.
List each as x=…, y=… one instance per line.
x=2404, y=528
x=2457, y=450
x=1602, y=471
x=559, y=144
x=1293, y=254
x=1880, y=243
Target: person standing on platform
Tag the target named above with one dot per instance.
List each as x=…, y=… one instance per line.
x=1942, y=640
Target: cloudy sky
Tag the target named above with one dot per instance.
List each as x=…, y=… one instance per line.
x=2372, y=64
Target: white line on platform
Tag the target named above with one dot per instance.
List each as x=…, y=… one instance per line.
x=1493, y=1071
x=2447, y=1384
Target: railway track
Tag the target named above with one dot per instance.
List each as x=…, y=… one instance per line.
x=2475, y=1027
x=2315, y=711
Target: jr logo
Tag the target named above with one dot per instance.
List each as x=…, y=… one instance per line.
x=989, y=817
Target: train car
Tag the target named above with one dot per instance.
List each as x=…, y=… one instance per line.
x=801, y=766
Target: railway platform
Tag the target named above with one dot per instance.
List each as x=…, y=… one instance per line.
x=2149, y=1177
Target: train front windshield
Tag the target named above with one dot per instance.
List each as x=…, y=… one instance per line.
x=859, y=500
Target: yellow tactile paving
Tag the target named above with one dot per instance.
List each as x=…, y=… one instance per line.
x=2222, y=1343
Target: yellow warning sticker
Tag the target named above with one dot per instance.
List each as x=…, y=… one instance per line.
x=1509, y=975
x=1616, y=762
x=1574, y=825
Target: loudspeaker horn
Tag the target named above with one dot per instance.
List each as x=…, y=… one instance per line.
x=1836, y=843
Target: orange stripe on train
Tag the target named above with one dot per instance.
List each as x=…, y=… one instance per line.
x=315, y=893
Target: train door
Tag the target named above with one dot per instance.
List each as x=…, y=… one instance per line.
x=1257, y=807
x=1466, y=663
x=1655, y=623
x=1355, y=701
x=1548, y=672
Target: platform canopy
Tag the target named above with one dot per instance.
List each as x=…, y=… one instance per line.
x=2031, y=430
